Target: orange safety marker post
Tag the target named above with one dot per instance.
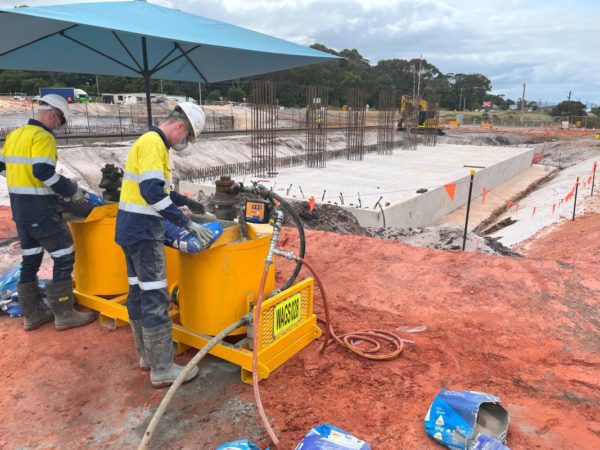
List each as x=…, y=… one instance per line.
x=450, y=190
x=311, y=203
x=593, y=179
x=483, y=195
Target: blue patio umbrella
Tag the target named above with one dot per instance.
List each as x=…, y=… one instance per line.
x=137, y=38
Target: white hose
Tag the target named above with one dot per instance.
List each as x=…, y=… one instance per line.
x=181, y=378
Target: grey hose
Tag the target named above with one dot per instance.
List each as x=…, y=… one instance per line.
x=182, y=376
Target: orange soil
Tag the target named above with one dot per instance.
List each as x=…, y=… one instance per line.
x=526, y=330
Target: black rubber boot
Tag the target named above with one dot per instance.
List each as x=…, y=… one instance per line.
x=138, y=338
x=158, y=343
x=33, y=313
x=60, y=296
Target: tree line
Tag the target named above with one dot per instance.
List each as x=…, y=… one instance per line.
x=453, y=91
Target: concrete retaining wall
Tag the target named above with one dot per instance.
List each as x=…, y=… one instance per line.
x=426, y=208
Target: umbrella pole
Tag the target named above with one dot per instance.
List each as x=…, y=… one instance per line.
x=148, y=102
x=146, y=74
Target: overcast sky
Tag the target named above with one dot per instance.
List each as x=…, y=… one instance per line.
x=551, y=45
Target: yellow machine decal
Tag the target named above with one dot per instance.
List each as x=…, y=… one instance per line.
x=286, y=314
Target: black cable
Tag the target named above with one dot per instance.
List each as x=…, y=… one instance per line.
x=299, y=225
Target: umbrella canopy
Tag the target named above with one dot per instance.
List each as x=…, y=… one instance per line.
x=137, y=38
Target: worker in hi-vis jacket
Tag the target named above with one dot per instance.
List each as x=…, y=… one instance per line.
x=146, y=201
x=29, y=157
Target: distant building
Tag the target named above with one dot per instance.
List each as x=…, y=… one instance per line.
x=131, y=98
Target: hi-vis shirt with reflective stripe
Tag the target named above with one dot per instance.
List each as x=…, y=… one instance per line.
x=145, y=194
x=29, y=157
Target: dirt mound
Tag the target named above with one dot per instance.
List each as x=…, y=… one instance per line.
x=444, y=237
x=327, y=218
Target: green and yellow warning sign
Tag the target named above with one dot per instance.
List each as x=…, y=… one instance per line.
x=286, y=314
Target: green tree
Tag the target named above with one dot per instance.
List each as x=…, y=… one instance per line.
x=235, y=94
x=214, y=95
x=568, y=108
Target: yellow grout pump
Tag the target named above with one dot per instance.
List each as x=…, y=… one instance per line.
x=211, y=290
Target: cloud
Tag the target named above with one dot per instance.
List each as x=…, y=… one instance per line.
x=550, y=45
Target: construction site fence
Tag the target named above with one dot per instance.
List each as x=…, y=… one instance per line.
x=246, y=168
x=514, y=119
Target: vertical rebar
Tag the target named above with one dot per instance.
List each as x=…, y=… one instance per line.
x=317, y=98
x=355, y=125
x=410, y=122
x=264, y=124
x=430, y=124
x=386, y=121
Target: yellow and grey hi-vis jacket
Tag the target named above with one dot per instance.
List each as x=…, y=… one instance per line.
x=29, y=157
x=146, y=197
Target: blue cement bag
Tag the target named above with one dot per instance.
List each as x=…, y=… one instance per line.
x=456, y=418
x=9, y=301
x=8, y=282
x=243, y=444
x=183, y=240
x=328, y=437
x=484, y=442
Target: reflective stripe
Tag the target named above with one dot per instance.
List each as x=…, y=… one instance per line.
x=30, y=190
x=32, y=251
x=40, y=160
x=130, y=176
x=139, y=209
x=133, y=281
x=17, y=160
x=62, y=252
x=25, y=160
x=147, y=175
x=52, y=180
x=163, y=204
x=150, y=174
x=150, y=285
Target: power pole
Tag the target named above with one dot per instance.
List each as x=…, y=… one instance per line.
x=460, y=99
x=97, y=88
x=200, y=93
x=523, y=106
x=569, y=106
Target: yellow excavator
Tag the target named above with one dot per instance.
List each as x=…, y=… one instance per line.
x=426, y=117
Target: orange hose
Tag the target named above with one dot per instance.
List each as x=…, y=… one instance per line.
x=259, y=405
x=350, y=340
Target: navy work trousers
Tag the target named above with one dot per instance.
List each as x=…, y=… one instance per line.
x=52, y=235
x=148, y=297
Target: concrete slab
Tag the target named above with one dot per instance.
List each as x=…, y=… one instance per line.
x=396, y=178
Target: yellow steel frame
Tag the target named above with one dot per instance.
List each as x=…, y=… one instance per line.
x=113, y=314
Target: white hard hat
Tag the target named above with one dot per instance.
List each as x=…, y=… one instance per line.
x=56, y=101
x=195, y=117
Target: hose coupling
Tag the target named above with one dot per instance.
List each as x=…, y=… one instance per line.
x=287, y=255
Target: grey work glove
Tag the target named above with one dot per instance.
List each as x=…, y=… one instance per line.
x=78, y=195
x=204, y=234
